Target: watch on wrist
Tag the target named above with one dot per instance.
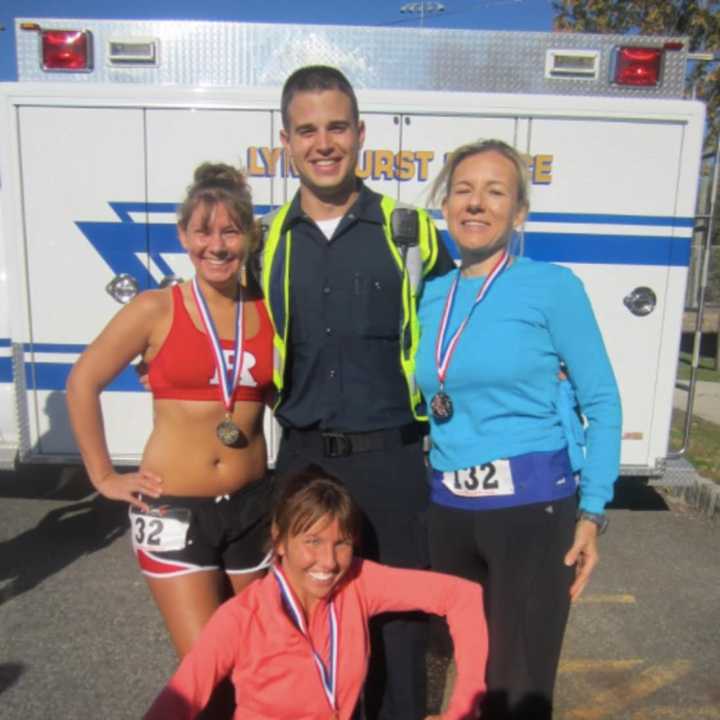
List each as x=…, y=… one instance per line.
x=599, y=519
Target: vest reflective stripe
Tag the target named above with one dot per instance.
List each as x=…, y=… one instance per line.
x=431, y=241
x=275, y=281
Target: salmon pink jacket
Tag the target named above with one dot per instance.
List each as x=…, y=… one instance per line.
x=253, y=639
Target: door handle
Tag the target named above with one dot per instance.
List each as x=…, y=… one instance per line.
x=641, y=301
x=122, y=288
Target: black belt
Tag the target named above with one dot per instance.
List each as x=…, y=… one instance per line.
x=334, y=444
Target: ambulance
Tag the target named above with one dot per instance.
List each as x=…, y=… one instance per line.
x=101, y=132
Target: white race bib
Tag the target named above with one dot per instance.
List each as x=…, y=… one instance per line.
x=161, y=530
x=488, y=480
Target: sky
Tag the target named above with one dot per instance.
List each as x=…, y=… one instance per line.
x=480, y=14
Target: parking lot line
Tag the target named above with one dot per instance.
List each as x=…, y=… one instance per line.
x=704, y=712
x=611, y=703
x=620, y=599
x=584, y=666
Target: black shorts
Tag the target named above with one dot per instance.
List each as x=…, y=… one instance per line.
x=184, y=535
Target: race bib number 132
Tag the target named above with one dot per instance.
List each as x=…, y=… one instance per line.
x=488, y=480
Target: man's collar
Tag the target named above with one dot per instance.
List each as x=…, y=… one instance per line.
x=366, y=207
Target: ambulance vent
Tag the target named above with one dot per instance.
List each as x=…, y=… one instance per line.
x=133, y=51
x=572, y=64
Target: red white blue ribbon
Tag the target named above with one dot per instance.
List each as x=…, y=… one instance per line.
x=328, y=674
x=444, y=354
x=228, y=379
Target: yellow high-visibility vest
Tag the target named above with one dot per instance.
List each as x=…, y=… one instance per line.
x=275, y=279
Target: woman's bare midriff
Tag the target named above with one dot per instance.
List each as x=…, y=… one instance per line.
x=184, y=450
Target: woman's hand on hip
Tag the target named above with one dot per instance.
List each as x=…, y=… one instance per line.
x=127, y=486
x=584, y=555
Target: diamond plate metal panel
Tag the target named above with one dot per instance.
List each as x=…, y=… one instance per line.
x=224, y=54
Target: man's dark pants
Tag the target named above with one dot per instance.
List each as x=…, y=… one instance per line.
x=391, y=488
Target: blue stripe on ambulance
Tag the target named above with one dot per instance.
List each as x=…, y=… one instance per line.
x=53, y=376
x=40, y=375
x=608, y=249
x=5, y=361
x=611, y=248
x=599, y=219
x=594, y=248
x=123, y=244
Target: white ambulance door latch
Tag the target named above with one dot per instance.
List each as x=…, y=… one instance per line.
x=641, y=301
x=122, y=288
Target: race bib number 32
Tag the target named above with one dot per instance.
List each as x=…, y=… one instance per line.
x=488, y=480
x=161, y=530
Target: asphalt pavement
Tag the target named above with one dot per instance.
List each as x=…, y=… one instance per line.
x=80, y=637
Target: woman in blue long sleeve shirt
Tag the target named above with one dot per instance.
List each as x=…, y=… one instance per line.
x=496, y=336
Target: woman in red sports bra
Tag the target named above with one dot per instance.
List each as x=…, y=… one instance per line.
x=199, y=501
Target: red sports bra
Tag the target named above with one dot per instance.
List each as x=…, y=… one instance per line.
x=184, y=368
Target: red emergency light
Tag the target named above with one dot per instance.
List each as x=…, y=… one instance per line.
x=69, y=50
x=638, y=66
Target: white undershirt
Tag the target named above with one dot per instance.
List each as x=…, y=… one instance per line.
x=328, y=226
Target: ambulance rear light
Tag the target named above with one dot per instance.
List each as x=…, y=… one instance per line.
x=63, y=50
x=66, y=50
x=637, y=66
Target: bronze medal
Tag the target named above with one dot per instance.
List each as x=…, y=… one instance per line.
x=228, y=432
x=228, y=379
x=441, y=407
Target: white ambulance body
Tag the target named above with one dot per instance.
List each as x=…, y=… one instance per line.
x=93, y=163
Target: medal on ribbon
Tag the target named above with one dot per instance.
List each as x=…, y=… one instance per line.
x=328, y=674
x=227, y=431
x=441, y=404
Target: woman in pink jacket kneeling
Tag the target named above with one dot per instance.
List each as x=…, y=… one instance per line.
x=296, y=642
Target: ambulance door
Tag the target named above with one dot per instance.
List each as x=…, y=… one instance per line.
x=8, y=414
x=80, y=167
x=607, y=210
x=428, y=139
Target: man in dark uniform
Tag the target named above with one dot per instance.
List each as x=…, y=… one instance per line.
x=343, y=306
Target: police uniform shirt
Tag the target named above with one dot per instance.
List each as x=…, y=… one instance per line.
x=344, y=369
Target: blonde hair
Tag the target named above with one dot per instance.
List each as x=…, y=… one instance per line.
x=218, y=183
x=441, y=186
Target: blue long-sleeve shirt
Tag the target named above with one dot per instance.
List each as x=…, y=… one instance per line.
x=503, y=377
